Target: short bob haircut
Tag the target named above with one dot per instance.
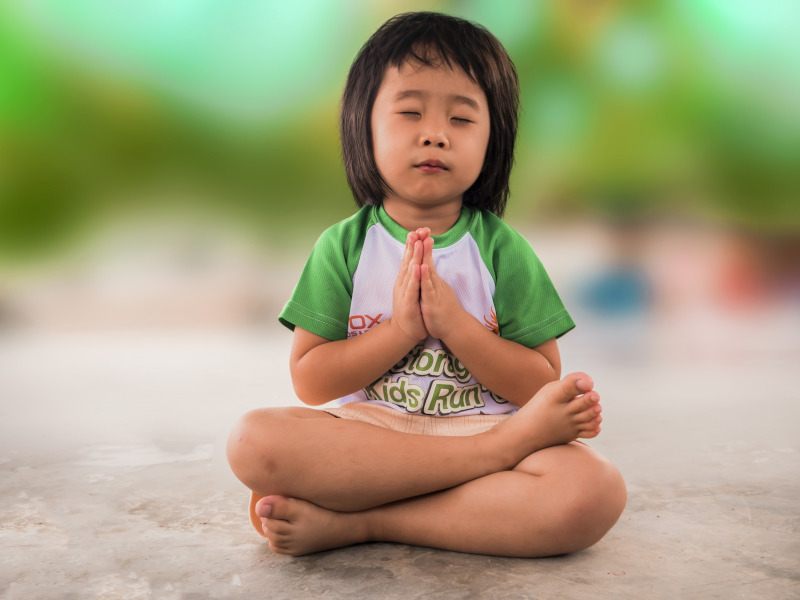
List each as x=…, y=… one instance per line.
x=431, y=39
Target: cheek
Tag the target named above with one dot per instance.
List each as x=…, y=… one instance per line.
x=481, y=153
x=382, y=147
x=378, y=135
x=378, y=152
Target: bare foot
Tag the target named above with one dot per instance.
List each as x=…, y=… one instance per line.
x=559, y=413
x=297, y=527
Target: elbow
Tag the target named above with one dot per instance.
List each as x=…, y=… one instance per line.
x=310, y=387
x=541, y=375
x=310, y=391
x=552, y=368
x=310, y=396
x=550, y=372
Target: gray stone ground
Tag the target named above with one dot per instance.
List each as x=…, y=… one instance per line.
x=113, y=483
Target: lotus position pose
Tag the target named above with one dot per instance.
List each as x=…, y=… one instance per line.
x=433, y=326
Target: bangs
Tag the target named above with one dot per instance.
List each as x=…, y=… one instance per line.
x=434, y=54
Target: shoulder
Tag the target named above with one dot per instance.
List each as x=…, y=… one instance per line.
x=497, y=239
x=491, y=227
x=347, y=236
x=351, y=227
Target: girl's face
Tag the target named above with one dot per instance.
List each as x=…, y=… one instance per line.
x=430, y=129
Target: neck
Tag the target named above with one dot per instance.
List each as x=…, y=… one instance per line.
x=439, y=219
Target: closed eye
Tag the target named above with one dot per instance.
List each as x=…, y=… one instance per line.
x=410, y=114
x=460, y=120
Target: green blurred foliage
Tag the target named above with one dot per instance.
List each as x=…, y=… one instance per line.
x=631, y=110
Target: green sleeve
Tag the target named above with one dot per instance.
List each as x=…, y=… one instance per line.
x=529, y=309
x=320, y=302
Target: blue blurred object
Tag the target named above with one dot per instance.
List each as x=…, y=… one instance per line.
x=622, y=290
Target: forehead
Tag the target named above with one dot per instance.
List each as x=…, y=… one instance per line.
x=413, y=78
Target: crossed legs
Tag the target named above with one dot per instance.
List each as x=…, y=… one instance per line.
x=524, y=488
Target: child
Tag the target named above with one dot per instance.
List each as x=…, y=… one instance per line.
x=434, y=325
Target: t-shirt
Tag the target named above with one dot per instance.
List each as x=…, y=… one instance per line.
x=346, y=288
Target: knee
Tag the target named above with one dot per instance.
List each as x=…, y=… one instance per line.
x=598, y=506
x=612, y=494
x=248, y=448
x=588, y=497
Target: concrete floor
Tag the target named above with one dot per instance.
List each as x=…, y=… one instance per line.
x=113, y=483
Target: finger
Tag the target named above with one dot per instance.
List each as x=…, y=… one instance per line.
x=427, y=260
x=419, y=251
x=412, y=256
x=427, y=288
x=416, y=275
x=409, y=286
x=409, y=249
x=427, y=254
x=410, y=293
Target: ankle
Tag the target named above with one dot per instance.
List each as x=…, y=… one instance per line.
x=497, y=450
x=370, y=526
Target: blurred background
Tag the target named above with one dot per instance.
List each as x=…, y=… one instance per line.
x=167, y=164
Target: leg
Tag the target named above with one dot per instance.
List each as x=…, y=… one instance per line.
x=561, y=499
x=347, y=465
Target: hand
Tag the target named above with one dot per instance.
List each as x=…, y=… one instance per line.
x=441, y=310
x=406, y=311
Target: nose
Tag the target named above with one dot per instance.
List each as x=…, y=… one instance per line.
x=435, y=141
x=433, y=134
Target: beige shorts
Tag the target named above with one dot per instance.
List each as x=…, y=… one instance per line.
x=389, y=418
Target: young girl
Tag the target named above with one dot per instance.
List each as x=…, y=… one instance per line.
x=434, y=326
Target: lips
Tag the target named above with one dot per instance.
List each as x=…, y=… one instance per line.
x=431, y=166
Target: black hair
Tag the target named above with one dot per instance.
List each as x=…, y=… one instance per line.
x=430, y=39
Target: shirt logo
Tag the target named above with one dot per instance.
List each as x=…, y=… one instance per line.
x=491, y=322
x=361, y=323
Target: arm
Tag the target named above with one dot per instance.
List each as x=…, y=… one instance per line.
x=508, y=369
x=323, y=370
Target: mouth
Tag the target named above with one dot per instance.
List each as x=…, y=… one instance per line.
x=431, y=166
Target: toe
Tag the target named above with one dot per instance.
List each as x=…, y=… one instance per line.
x=278, y=529
x=263, y=507
x=588, y=417
x=279, y=508
x=592, y=433
x=255, y=519
x=589, y=403
x=274, y=508
x=576, y=384
x=590, y=425
x=277, y=549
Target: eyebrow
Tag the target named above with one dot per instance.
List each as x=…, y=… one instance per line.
x=455, y=98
